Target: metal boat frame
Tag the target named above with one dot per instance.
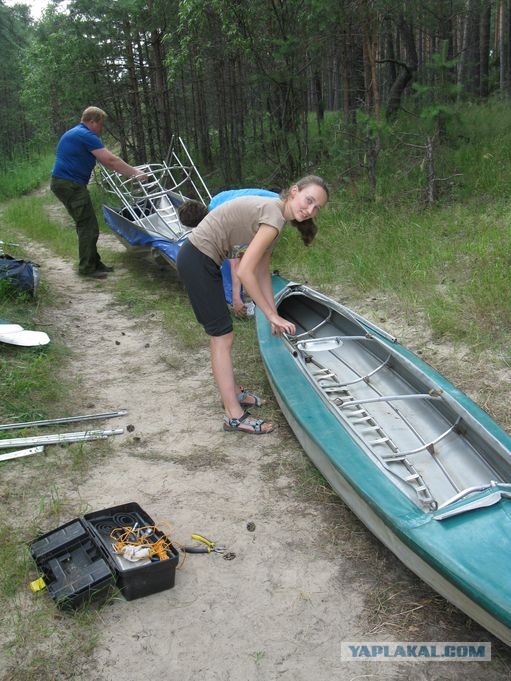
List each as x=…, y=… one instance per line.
x=152, y=205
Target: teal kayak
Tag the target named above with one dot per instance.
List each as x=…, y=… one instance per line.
x=422, y=466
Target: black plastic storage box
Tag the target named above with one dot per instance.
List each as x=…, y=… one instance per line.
x=79, y=565
x=73, y=566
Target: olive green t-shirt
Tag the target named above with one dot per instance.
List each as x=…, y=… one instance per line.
x=228, y=229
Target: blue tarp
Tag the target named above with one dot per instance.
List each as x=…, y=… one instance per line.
x=135, y=236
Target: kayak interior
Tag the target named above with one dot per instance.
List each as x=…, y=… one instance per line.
x=403, y=415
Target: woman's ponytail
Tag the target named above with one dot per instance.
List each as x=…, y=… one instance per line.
x=308, y=230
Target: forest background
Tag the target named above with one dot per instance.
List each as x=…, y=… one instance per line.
x=251, y=85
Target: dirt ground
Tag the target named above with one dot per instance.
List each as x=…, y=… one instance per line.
x=308, y=577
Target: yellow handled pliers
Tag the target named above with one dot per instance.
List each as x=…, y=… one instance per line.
x=210, y=546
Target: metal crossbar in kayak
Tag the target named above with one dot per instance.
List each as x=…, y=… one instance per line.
x=370, y=431
x=432, y=395
x=429, y=446
x=365, y=378
x=153, y=204
x=348, y=312
x=361, y=422
x=312, y=331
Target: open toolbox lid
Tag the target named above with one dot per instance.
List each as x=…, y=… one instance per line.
x=79, y=564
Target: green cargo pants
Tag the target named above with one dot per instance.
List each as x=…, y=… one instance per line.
x=76, y=199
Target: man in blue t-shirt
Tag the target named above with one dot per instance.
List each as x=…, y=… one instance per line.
x=77, y=152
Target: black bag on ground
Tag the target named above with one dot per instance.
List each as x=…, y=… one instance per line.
x=20, y=274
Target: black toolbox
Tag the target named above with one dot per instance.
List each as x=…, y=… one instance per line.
x=78, y=563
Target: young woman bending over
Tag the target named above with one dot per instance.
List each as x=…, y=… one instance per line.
x=247, y=228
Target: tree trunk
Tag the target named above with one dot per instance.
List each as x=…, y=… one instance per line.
x=346, y=71
x=369, y=41
x=508, y=51
x=134, y=97
x=484, y=51
x=390, y=58
x=203, y=116
x=373, y=147
x=469, y=67
x=502, y=26
x=431, y=190
x=318, y=98
x=161, y=102
x=151, y=127
x=407, y=69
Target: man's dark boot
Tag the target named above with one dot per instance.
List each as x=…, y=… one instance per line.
x=96, y=274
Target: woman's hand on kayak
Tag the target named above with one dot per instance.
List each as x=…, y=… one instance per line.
x=279, y=325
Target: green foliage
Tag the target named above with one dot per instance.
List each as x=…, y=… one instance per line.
x=30, y=216
x=22, y=175
x=14, y=32
x=58, y=54
x=235, y=79
x=370, y=126
x=434, y=100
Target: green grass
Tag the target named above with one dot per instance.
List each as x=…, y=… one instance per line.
x=25, y=175
x=27, y=217
x=451, y=262
x=27, y=381
x=38, y=629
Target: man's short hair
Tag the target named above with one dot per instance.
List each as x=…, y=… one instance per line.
x=192, y=212
x=93, y=113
